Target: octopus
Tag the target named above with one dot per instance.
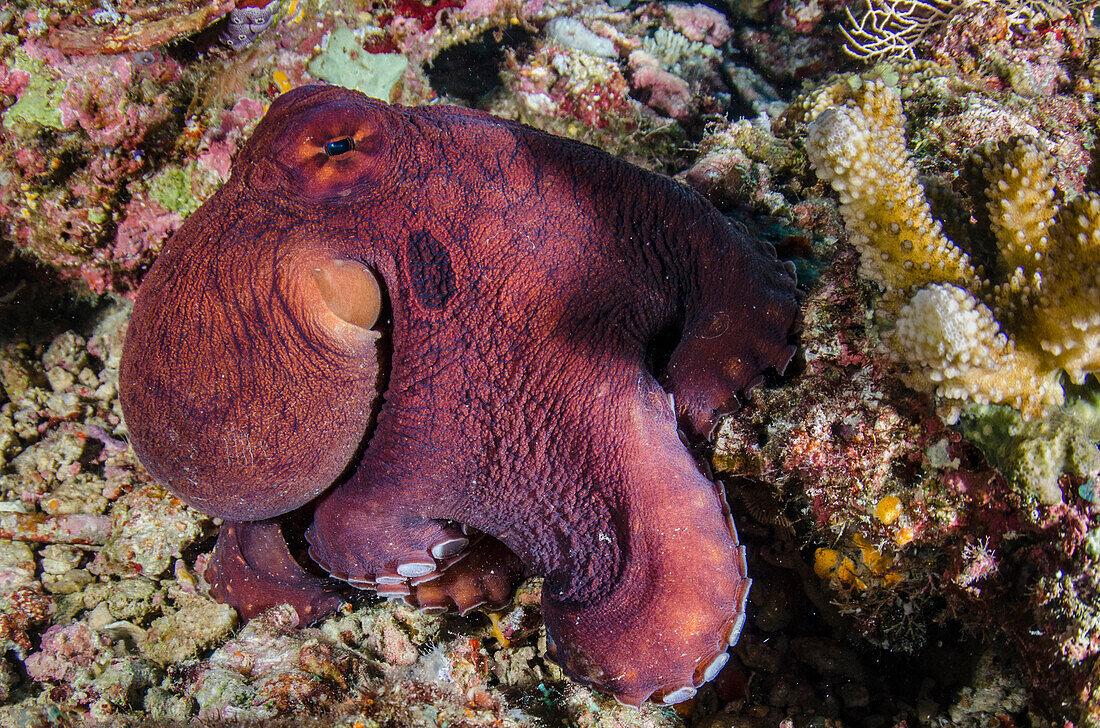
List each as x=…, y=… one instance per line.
x=467, y=351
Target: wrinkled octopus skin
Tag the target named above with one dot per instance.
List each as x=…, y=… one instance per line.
x=469, y=347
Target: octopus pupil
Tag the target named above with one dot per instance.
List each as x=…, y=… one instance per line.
x=336, y=147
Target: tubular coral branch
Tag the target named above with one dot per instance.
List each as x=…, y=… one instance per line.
x=860, y=151
x=954, y=346
x=1065, y=318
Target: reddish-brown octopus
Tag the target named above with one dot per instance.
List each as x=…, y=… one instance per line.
x=467, y=345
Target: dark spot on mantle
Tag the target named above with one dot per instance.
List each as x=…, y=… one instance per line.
x=431, y=275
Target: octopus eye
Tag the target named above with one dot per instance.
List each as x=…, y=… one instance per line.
x=336, y=147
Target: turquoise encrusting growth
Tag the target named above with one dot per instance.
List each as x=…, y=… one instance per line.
x=1036, y=453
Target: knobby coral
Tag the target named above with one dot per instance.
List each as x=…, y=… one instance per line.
x=999, y=331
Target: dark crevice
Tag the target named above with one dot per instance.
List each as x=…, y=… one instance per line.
x=469, y=72
x=660, y=349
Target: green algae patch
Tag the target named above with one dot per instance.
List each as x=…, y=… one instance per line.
x=345, y=63
x=40, y=104
x=1033, y=454
x=172, y=188
x=199, y=624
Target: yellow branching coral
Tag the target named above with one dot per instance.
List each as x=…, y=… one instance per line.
x=970, y=335
x=955, y=347
x=860, y=151
x=1052, y=296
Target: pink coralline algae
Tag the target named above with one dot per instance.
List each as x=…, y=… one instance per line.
x=92, y=93
x=91, y=139
x=66, y=654
x=425, y=14
x=216, y=150
x=700, y=23
x=74, y=137
x=665, y=92
x=13, y=81
x=146, y=219
x=93, y=103
x=1022, y=80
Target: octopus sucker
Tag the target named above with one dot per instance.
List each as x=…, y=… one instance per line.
x=709, y=669
x=450, y=547
x=458, y=409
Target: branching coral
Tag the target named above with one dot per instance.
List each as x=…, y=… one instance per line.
x=892, y=27
x=971, y=335
x=895, y=28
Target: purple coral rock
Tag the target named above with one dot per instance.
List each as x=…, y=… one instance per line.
x=246, y=22
x=700, y=23
x=66, y=653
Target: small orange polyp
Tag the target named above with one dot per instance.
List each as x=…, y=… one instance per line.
x=350, y=291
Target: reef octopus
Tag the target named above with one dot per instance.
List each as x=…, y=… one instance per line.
x=469, y=347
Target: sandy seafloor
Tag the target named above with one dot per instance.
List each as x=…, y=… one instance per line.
x=908, y=571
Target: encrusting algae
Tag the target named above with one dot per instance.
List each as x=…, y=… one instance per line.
x=990, y=332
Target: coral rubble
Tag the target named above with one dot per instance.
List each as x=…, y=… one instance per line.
x=103, y=609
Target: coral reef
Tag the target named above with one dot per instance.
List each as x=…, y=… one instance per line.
x=98, y=111
x=907, y=524
x=965, y=535
x=893, y=29
x=943, y=592
x=573, y=80
x=859, y=487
